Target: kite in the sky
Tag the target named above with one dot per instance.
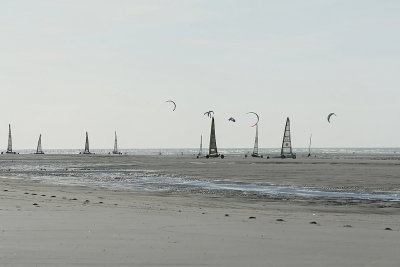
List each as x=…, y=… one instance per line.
x=258, y=118
x=329, y=116
x=232, y=119
x=172, y=103
x=208, y=113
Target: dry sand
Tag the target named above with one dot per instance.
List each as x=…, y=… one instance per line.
x=57, y=225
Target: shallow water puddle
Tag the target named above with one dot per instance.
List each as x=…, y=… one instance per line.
x=155, y=181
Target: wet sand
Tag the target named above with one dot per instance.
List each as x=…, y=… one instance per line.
x=58, y=225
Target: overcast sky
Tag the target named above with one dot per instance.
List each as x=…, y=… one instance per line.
x=67, y=67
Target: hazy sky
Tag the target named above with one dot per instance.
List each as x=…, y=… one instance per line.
x=67, y=67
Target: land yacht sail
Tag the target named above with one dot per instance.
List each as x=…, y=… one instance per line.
x=39, y=146
x=201, y=147
x=115, y=151
x=213, y=151
x=286, y=150
x=255, y=150
x=9, y=146
x=87, y=151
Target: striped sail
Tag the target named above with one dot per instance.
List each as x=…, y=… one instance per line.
x=286, y=142
x=213, y=141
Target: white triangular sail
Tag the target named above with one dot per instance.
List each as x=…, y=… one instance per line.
x=213, y=142
x=201, y=146
x=286, y=142
x=115, y=151
x=9, y=146
x=39, y=146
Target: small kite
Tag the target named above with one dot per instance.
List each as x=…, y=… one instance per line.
x=208, y=113
x=232, y=119
x=258, y=118
x=172, y=103
x=329, y=116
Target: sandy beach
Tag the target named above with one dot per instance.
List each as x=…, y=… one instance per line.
x=48, y=222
